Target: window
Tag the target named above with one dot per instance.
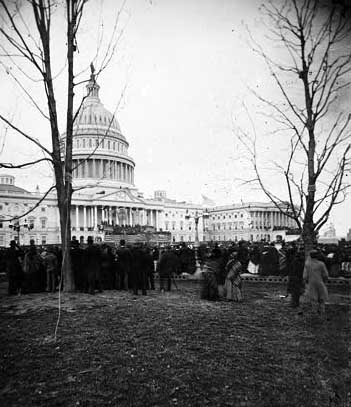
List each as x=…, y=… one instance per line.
x=83, y=142
x=109, y=144
x=97, y=142
x=1, y=224
x=31, y=223
x=43, y=223
x=90, y=143
x=2, y=243
x=1, y=207
x=114, y=145
x=43, y=209
x=166, y=225
x=43, y=239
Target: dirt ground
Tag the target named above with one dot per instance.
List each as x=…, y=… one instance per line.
x=173, y=349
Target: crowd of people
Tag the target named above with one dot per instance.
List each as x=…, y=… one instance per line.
x=104, y=267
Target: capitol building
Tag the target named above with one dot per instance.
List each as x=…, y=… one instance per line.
x=106, y=201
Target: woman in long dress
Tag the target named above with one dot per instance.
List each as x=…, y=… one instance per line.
x=233, y=282
x=315, y=275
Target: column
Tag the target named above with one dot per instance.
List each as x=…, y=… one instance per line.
x=94, y=168
x=103, y=214
x=85, y=217
x=156, y=219
x=129, y=216
x=77, y=217
x=95, y=217
x=117, y=221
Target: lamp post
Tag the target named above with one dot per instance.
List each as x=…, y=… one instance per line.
x=17, y=227
x=196, y=218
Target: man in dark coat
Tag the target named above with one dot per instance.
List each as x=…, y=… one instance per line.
x=91, y=264
x=295, y=272
x=209, y=286
x=123, y=265
x=137, y=275
x=34, y=271
x=80, y=276
x=167, y=267
x=107, y=274
x=149, y=269
x=14, y=269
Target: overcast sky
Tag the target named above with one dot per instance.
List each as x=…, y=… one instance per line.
x=186, y=66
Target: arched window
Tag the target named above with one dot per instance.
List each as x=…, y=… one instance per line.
x=83, y=142
x=109, y=144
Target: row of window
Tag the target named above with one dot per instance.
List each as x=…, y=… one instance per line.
x=6, y=180
x=235, y=216
x=16, y=207
x=30, y=224
x=93, y=119
x=234, y=226
x=101, y=143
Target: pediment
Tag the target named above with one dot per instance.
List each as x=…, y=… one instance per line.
x=124, y=195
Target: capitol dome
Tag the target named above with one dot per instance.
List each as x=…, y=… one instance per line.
x=100, y=151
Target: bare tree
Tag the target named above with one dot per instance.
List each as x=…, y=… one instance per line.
x=311, y=74
x=29, y=49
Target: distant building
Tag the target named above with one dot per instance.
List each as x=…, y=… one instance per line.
x=329, y=231
x=348, y=236
x=106, y=196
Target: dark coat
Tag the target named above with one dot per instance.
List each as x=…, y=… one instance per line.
x=168, y=264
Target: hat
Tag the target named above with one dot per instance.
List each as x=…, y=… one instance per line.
x=314, y=253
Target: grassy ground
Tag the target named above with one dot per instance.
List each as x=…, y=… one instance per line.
x=172, y=350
